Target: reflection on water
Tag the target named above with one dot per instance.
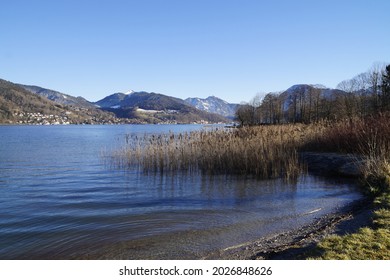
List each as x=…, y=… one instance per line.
x=59, y=200
x=213, y=213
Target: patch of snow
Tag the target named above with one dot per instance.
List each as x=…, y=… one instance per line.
x=147, y=111
x=205, y=104
x=319, y=86
x=129, y=92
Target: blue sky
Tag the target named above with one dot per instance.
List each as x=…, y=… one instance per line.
x=193, y=48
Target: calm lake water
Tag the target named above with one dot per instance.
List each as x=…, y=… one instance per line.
x=59, y=199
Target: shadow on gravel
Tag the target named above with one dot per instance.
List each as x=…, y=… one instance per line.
x=304, y=246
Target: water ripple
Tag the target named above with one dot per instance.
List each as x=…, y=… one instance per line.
x=59, y=200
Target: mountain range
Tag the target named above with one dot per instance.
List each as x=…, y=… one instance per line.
x=153, y=107
x=215, y=105
x=131, y=107
x=305, y=91
x=59, y=97
x=16, y=100
x=20, y=105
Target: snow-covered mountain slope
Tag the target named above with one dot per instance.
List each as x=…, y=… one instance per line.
x=133, y=103
x=111, y=101
x=214, y=105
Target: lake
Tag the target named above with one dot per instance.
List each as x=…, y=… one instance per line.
x=59, y=199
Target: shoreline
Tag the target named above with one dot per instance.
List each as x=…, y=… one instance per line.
x=297, y=243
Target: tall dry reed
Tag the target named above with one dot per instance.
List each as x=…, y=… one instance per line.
x=369, y=136
x=366, y=137
x=264, y=151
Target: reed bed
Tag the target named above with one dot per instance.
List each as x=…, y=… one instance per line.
x=263, y=152
x=369, y=137
x=366, y=137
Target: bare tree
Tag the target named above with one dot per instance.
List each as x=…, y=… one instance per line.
x=347, y=98
x=271, y=108
x=374, y=81
x=314, y=105
x=385, y=89
x=255, y=103
x=245, y=114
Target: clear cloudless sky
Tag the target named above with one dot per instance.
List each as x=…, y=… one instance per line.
x=190, y=48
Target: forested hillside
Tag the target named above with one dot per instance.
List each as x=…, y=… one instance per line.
x=18, y=105
x=365, y=94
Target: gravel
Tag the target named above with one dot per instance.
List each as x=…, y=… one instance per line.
x=296, y=243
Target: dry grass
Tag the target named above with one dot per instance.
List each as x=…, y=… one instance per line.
x=263, y=152
x=369, y=137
